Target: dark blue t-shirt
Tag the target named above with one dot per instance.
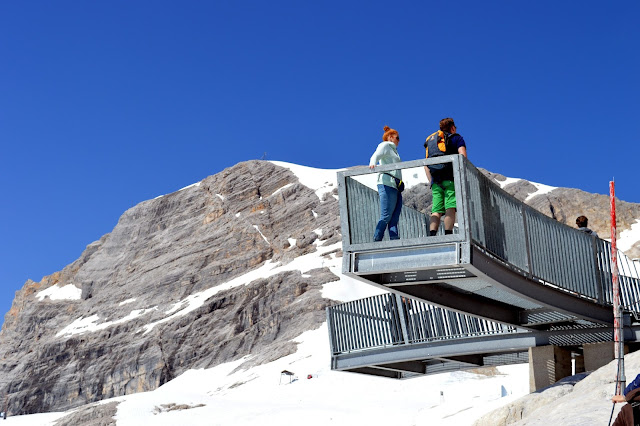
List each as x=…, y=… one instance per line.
x=456, y=142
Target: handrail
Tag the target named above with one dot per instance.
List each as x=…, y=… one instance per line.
x=390, y=320
x=535, y=245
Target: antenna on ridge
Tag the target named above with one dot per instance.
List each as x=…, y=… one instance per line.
x=264, y=156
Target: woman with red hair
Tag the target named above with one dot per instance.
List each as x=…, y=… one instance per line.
x=390, y=195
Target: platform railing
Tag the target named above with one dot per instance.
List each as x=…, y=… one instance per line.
x=391, y=320
x=360, y=206
x=507, y=229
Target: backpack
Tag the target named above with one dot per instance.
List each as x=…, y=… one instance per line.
x=438, y=144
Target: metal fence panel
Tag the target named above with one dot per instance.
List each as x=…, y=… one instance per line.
x=496, y=219
x=376, y=322
x=364, y=212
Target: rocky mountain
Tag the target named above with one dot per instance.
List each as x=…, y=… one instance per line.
x=231, y=266
x=167, y=266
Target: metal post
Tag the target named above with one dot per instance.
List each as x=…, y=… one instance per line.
x=401, y=314
x=617, y=309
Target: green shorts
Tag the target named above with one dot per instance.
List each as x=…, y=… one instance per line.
x=444, y=196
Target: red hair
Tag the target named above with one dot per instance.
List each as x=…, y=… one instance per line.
x=388, y=131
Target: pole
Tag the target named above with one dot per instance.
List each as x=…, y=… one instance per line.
x=617, y=309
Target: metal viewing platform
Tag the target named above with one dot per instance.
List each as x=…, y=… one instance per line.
x=514, y=277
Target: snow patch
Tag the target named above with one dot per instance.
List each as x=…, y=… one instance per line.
x=540, y=190
x=126, y=302
x=258, y=229
x=292, y=241
x=220, y=196
x=507, y=181
x=193, y=185
x=55, y=292
x=90, y=324
x=281, y=189
x=321, y=181
x=629, y=237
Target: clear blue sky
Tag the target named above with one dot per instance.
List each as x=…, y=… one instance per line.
x=105, y=104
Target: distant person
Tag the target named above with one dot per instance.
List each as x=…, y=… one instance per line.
x=388, y=185
x=630, y=413
x=582, y=223
x=444, y=142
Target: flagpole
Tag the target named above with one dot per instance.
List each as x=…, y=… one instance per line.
x=617, y=309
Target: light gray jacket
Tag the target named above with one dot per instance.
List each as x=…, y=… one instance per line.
x=386, y=153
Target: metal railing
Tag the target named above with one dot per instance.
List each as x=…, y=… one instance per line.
x=389, y=319
x=540, y=247
x=364, y=214
x=360, y=210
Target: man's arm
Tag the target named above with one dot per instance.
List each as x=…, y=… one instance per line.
x=618, y=398
x=426, y=170
x=463, y=150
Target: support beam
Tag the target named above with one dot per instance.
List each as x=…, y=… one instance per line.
x=578, y=362
x=372, y=371
x=597, y=355
x=547, y=365
x=408, y=366
x=503, y=277
x=475, y=360
x=469, y=304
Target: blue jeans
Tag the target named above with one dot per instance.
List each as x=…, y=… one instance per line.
x=390, y=208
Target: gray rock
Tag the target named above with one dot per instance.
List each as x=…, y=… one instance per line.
x=91, y=415
x=161, y=252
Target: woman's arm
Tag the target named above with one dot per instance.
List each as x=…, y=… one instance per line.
x=377, y=155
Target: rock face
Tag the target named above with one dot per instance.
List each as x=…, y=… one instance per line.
x=160, y=258
x=574, y=401
x=187, y=281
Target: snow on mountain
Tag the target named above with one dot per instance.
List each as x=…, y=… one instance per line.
x=322, y=181
x=67, y=292
x=629, y=237
x=315, y=396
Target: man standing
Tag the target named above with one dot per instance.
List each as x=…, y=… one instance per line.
x=444, y=142
x=582, y=223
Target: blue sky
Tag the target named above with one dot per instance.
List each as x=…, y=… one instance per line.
x=106, y=104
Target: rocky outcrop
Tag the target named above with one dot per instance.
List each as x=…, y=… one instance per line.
x=583, y=399
x=91, y=415
x=151, y=269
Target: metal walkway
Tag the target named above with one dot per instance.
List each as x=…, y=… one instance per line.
x=519, y=276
